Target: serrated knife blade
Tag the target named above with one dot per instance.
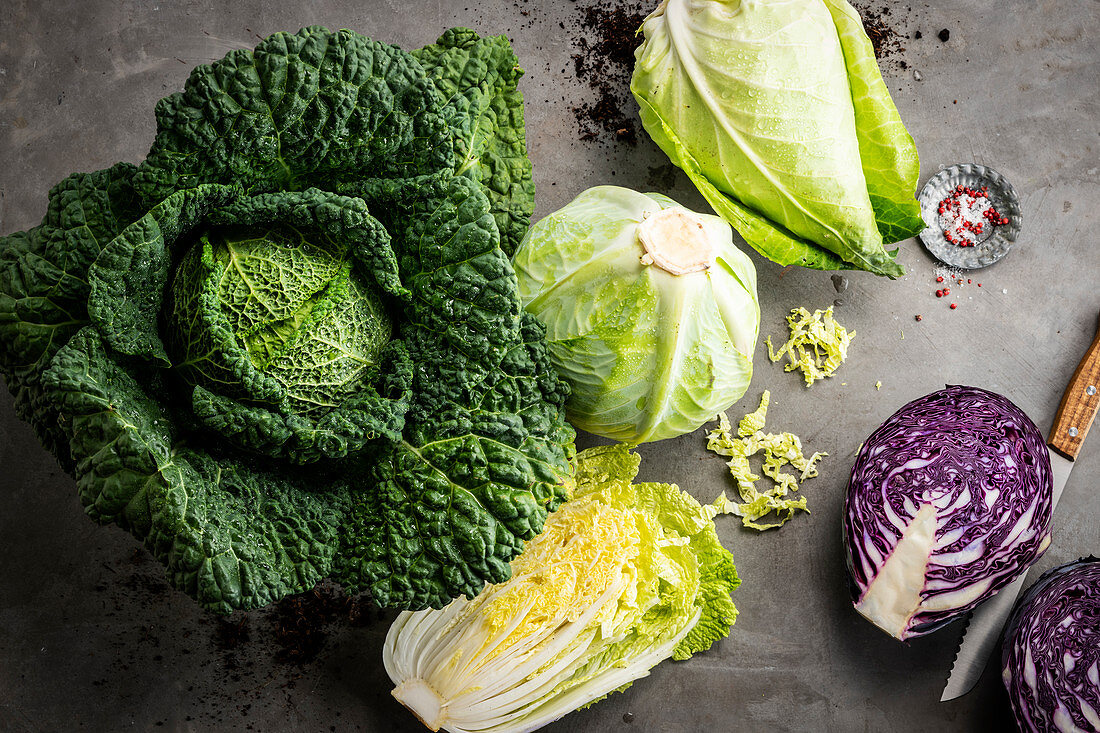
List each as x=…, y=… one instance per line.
x=983, y=631
x=1071, y=423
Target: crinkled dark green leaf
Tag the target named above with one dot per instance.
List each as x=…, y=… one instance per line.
x=313, y=108
x=452, y=247
x=229, y=533
x=129, y=277
x=487, y=111
x=478, y=435
x=44, y=288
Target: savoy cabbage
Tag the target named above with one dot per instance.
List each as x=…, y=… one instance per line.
x=289, y=344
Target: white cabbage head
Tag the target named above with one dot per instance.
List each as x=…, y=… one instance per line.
x=650, y=310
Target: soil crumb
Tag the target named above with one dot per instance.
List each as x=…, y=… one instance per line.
x=881, y=22
x=606, y=37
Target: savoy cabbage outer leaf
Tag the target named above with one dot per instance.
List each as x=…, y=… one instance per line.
x=313, y=108
x=487, y=116
x=476, y=432
x=43, y=293
x=229, y=533
x=308, y=268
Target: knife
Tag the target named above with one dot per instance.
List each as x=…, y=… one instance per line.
x=1071, y=424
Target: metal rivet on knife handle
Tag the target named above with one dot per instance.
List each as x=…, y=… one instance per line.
x=1079, y=405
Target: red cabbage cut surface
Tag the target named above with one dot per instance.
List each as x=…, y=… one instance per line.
x=949, y=501
x=1050, y=661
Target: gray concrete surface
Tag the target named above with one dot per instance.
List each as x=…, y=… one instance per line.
x=92, y=638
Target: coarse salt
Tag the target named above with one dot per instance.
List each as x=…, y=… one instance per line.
x=966, y=216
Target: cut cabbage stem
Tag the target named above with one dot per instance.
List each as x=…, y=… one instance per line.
x=675, y=239
x=424, y=702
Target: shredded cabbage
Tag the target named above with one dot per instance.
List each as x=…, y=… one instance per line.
x=818, y=344
x=779, y=450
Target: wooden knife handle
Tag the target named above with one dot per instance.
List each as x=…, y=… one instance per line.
x=1079, y=405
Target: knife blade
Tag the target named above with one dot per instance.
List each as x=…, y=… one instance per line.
x=1071, y=424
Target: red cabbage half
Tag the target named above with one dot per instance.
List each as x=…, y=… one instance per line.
x=1050, y=661
x=949, y=501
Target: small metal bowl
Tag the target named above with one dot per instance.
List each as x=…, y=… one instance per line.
x=1001, y=194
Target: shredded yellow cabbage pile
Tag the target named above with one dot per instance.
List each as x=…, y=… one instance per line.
x=817, y=346
x=779, y=450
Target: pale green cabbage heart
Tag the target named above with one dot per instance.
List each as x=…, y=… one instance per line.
x=778, y=113
x=650, y=352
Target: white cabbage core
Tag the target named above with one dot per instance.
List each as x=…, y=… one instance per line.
x=676, y=240
x=894, y=596
x=424, y=702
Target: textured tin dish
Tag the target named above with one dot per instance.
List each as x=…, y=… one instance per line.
x=1001, y=194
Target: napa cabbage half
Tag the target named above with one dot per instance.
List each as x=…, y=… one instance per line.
x=622, y=577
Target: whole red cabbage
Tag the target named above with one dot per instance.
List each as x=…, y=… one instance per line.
x=949, y=500
x=1050, y=661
